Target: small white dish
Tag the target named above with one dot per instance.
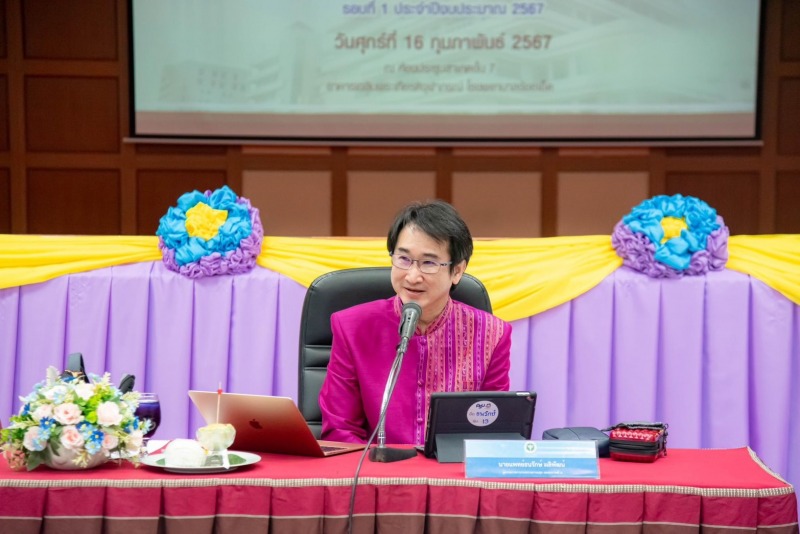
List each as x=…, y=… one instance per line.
x=158, y=460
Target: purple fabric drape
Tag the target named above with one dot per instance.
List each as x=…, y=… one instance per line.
x=717, y=356
x=174, y=334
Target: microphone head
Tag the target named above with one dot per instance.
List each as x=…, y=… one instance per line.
x=412, y=307
x=409, y=318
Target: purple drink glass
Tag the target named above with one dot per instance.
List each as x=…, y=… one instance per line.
x=149, y=409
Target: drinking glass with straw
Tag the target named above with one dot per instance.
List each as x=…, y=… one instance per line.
x=217, y=437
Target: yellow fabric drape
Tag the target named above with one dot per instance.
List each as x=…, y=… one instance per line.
x=29, y=259
x=523, y=276
x=773, y=259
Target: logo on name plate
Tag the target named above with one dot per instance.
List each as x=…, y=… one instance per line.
x=530, y=447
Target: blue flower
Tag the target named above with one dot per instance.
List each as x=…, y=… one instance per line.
x=86, y=429
x=94, y=441
x=93, y=446
x=135, y=424
x=36, y=439
x=47, y=424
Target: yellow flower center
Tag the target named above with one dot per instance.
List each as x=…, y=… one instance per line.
x=204, y=221
x=672, y=227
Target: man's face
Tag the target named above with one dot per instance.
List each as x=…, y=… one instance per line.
x=430, y=291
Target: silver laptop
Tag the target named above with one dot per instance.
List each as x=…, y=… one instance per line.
x=266, y=424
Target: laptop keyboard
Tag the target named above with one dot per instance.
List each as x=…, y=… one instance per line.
x=331, y=448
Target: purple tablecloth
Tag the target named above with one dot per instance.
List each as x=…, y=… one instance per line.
x=717, y=357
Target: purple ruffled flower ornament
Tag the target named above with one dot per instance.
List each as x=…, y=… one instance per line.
x=211, y=233
x=672, y=236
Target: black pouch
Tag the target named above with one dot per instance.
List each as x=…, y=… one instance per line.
x=638, y=441
x=581, y=433
x=76, y=370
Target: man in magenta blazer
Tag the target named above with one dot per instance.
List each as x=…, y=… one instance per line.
x=455, y=347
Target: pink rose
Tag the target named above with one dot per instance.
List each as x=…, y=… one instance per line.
x=71, y=438
x=68, y=413
x=15, y=458
x=108, y=414
x=110, y=441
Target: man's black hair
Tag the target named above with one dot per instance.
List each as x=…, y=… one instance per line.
x=439, y=220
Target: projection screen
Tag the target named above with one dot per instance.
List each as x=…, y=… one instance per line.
x=490, y=71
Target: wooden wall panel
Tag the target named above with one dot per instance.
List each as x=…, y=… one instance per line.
x=157, y=190
x=71, y=114
x=735, y=196
x=73, y=201
x=713, y=153
x=179, y=150
x=787, y=211
x=4, y=147
x=789, y=118
x=291, y=203
x=75, y=29
x=591, y=203
x=3, y=30
x=373, y=198
x=63, y=108
x=790, y=30
x=5, y=202
x=499, y=204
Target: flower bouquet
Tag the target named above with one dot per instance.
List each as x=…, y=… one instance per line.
x=67, y=418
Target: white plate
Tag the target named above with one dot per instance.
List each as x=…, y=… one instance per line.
x=153, y=461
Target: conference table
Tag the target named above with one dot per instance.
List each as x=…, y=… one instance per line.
x=690, y=490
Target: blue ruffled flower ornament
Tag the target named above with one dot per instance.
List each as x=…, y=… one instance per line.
x=672, y=236
x=210, y=233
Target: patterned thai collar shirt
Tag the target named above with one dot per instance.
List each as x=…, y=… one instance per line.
x=464, y=349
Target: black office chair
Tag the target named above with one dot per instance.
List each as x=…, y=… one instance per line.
x=336, y=291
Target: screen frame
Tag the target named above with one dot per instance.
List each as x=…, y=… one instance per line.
x=755, y=140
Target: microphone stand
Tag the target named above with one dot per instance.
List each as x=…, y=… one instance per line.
x=382, y=453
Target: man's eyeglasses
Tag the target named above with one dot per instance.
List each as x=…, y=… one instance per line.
x=401, y=261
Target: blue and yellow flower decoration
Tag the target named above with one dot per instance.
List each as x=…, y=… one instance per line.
x=672, y=236
x=210, y=233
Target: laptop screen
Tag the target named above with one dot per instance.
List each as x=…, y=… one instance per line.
x=455, y=416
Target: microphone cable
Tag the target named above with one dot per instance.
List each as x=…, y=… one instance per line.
x=410, y=324
x=371, y=439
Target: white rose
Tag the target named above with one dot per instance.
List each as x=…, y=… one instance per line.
x=84, y=390
x=45, y=410
x=32, y=440
x=110, y=441
x=68, y=413
x=54, y=391
x=71, y=438
x=135, y=441
x=108, y=414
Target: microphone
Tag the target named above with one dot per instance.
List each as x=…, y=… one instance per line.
x=409, y=317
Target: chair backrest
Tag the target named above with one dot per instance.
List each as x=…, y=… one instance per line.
x=336, y=291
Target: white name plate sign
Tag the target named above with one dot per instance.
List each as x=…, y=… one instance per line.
x=530, y=459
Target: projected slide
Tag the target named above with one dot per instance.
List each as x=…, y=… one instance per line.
x=448, y=69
